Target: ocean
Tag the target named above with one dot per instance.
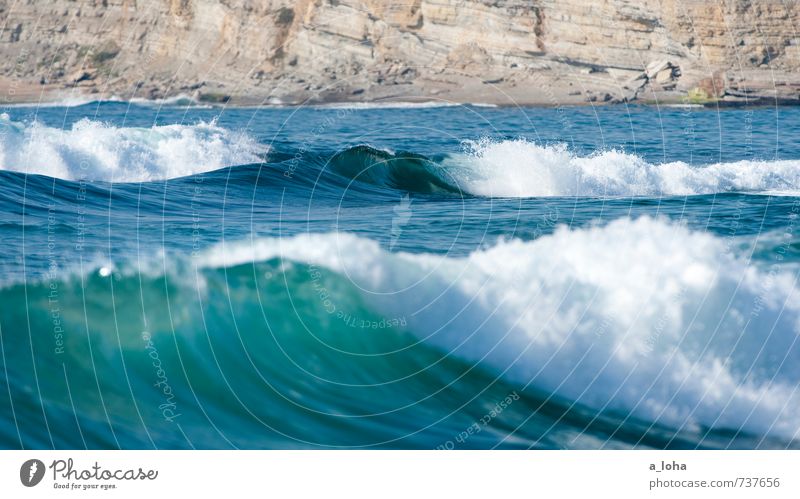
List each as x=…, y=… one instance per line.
x=399, y=276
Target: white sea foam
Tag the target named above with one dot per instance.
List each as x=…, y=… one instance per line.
x=386, y=105
x=683, y=106
x=77, y=100
x=67, y=100
x=94, y=150
x=179, y=100
x=518, y=168
x=639, y=317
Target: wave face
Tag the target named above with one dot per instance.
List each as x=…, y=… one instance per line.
x=93, y=150
x=401, y=171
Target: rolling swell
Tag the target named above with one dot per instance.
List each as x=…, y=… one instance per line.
x=327, y=340
x=97, y=151
x=524, y=169
x=669, y=327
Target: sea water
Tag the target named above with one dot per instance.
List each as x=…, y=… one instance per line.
x=399, y=276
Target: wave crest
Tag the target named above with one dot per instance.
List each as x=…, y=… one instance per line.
x=519, y=168
x=94, y=150
x=640, y=317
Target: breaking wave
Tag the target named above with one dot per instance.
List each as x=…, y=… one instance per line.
x=94, y=150
x=518, y=168
x=522, y=169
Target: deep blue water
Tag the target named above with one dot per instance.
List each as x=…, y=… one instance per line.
x=431, y=277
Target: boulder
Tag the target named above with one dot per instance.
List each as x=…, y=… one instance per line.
x=663, y=72
x=80, y=75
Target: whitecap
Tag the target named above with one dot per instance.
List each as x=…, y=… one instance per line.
x=520, y=168
x=94, y=150
x=643, y=318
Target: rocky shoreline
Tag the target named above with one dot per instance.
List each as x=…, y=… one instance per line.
x=504, y=52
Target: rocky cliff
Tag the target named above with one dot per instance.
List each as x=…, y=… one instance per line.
x=499, y=51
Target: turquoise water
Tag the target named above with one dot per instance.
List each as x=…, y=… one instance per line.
x=409, y=277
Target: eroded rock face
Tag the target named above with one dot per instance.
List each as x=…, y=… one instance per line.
x=545, y=51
